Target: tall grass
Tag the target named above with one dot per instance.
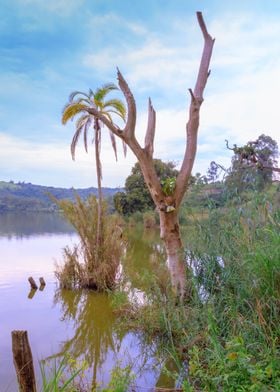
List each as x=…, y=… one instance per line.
x=229, y=333
x=91, y=263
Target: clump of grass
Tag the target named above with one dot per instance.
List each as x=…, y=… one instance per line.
x=91, y=263
x=65, y=375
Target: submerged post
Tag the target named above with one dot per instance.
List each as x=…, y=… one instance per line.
x=32, y=283
x=42, y=283
x=23, y=361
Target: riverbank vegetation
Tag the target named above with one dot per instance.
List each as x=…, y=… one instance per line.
x=90, y=264
x=228, y=335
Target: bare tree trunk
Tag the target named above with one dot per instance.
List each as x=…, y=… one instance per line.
x=170, y=234
x=23, y=361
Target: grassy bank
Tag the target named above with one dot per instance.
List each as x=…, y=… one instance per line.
x=227, y=337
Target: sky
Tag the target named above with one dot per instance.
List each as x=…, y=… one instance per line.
x=50, y=48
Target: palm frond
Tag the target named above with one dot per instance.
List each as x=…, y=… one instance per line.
x=114, y=144
x=82, y=124
x=75, y=93
x=71, y=111
x=117, y=105
x=86, y=101
x=86, y=128
x=81, y=121
x=101, y=92
x=74, y=142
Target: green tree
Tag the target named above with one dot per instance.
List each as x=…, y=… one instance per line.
x=252, y=164
x=137, y=196
x=78, y=105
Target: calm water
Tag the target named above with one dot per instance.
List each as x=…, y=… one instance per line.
x=81, y=323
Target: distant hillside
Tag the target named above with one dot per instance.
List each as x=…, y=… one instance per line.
x=28, y=197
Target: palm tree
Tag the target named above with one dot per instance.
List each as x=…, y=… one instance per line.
x=78, y=105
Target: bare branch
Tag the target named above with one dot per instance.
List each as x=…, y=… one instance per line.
x=150, y=133
x=193, y=123
x=129, y=130
x=105, y=120
x=203, y=72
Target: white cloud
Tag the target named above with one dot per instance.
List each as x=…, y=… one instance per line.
x=41, y=161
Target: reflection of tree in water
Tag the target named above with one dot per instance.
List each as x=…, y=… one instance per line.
x=96, y=332
x=145, y=257
x=94, y=324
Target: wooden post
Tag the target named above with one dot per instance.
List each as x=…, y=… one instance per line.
x=32, y=283
x=23, y=361
x=42, y=283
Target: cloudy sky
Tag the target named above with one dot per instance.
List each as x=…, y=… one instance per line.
x=50, y=48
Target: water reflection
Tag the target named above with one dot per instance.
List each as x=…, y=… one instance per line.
x=93, y=322
x=145, y=259
x=99, y=341
x=30, y=224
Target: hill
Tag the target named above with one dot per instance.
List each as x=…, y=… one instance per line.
x=21, y=196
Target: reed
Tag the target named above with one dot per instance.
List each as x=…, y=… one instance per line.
x=92, y=263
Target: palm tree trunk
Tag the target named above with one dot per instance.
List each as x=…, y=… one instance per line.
x=99, y=176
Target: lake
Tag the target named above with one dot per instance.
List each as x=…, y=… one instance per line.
x=81, y=323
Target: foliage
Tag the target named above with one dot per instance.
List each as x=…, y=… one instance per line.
x=90, y=264
x=80, y=102
x=252, y=165
x=168, y=185
x=136, y=196
x=62, y=376
x=68, y=375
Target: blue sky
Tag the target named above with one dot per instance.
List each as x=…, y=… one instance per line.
x=51, y=48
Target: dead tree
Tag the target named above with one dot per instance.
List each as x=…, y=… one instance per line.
x=170, y=232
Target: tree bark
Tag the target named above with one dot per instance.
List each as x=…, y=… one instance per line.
x=23, y=361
